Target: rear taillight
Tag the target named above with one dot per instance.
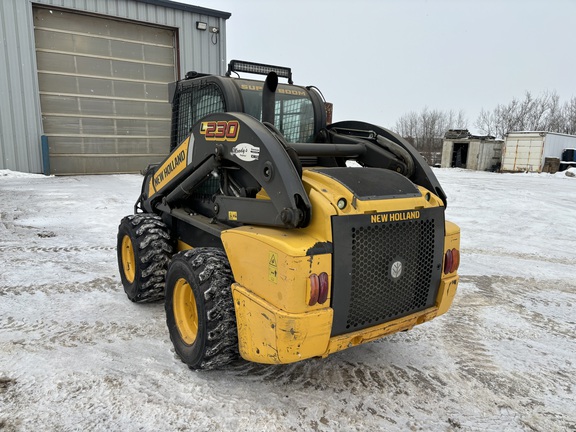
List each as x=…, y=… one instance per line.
x=314, y=289
x=323, y=294
x=319, y=287
x=456, y=258
x=451, y=261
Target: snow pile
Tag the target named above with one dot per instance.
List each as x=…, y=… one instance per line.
x=17, y=174
x=570, y=173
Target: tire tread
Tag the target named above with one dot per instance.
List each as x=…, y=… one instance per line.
x=153, y=248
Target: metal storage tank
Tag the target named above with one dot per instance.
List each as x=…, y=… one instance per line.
x=89, y=79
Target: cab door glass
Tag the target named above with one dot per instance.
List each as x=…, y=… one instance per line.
x=195, y=103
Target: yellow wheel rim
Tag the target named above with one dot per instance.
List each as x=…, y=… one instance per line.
x=128, y=260
x=185, y=311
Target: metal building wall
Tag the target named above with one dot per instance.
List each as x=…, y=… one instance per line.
x=555, y=143
x=20, y=122
x=20, y=115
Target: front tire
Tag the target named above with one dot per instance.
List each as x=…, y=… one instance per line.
x=199, y=308
x=144, y=249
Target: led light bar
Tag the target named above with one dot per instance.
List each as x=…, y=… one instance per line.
x=259, y=69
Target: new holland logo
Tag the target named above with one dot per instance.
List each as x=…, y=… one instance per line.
x=396, y=269
x=395, y=216
x=246, y=152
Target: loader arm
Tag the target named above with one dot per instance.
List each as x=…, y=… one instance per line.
x=245, y=156
x=405, y=158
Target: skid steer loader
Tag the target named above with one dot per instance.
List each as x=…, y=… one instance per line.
x=277, y=237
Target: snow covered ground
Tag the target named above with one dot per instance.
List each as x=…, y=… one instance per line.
x=75, y=354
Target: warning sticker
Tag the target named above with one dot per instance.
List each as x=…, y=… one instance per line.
x=273, y=267
x=273, y=259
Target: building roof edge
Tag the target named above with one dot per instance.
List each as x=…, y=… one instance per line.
x=187, y=8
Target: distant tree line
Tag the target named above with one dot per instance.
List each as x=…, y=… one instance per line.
x=425, y=129
x=541, y=113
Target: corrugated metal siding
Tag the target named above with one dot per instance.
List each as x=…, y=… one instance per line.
x=196, y=48
x=555, y=143
x=20, y=123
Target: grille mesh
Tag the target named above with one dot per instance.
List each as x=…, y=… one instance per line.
x=289, y=116
x=194, y=102
x=376, y=296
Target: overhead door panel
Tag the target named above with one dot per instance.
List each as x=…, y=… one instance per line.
x=103, y=91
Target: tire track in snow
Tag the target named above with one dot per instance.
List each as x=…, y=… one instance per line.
x=51, y=334
x=348, y=382
x=470, y=333
x=103, y=284
x=519, y=255
x=8, y=397
x=341, y=375
x=55, y=249
x=519, y=285
x=475, y=361
x=392, y=388
x=517, y=293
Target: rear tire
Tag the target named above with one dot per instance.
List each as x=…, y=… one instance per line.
x=200, y=310
x=144, y=249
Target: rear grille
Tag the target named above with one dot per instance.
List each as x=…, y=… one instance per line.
x=384, y=271
x=376, y=296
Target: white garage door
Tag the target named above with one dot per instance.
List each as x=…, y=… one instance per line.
x=103, y=91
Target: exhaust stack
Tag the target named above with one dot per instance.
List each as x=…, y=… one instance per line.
x=269, y=97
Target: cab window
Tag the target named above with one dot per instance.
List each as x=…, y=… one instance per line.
x=195, y=102
x=294, y=113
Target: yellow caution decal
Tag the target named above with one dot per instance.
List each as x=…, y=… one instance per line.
x=273, y=267
x=171, y=167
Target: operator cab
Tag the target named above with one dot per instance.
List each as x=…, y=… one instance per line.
x=299, y=112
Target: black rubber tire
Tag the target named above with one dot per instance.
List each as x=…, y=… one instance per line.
x=208, y=274
x=152, y=249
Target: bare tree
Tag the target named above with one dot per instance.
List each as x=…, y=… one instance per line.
x=486, y=122
x=425, y=129
x=542, y=113
x=568, y=115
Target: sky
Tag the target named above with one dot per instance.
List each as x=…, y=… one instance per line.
x=379, y=60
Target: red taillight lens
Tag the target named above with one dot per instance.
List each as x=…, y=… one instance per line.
x=451, y=261
x=323, y=293
x=314, y=289
x=319, y=288
x=448, y=261
x=456, y=259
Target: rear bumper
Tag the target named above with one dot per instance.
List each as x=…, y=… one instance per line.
x=269, y=335
x=446, y=293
